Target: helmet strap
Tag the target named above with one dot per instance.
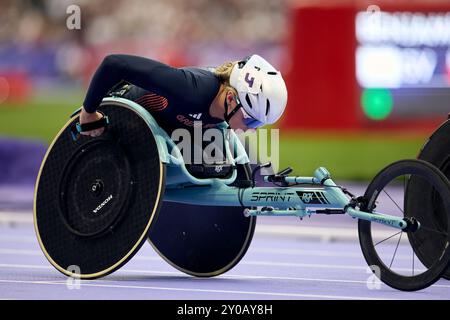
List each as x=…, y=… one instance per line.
x=227, y=116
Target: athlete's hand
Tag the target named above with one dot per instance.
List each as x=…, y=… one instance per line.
x=91, y=117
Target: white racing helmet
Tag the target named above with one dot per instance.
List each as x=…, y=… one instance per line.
x=261, y=89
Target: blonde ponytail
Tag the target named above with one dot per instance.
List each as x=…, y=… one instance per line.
x=223, y=72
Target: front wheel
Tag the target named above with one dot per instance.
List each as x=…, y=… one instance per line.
x=392, y=253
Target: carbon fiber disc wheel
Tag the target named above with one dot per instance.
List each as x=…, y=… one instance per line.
x=436, y=151
x=203, y=241
x=96, y=198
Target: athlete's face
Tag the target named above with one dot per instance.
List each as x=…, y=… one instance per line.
x=237, y=120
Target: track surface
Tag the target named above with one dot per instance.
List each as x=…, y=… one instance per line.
x=275, y=267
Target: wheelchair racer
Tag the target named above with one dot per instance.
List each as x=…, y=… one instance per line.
x=246, y=94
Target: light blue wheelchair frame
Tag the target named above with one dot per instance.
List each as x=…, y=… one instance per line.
x=316, y=195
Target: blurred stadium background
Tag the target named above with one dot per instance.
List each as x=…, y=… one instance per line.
x=368, y=81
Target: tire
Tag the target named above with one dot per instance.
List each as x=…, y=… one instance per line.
x=417, y=171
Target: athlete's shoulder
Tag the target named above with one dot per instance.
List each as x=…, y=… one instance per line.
x=204, y=81
x=205, y=72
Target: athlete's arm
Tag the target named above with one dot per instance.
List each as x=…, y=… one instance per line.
x=146, y=73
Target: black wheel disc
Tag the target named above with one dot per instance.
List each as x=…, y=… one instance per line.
x=203, y=241
x=92, y=206
x=436, y=151
x=96, y=198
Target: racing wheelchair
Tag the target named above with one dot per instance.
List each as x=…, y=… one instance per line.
x=98, y=200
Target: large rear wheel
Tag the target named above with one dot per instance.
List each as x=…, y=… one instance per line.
x=96, y=198
x=437, y=152
x=203, y=241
